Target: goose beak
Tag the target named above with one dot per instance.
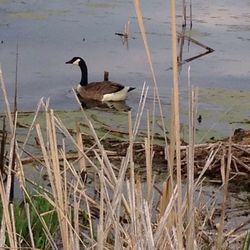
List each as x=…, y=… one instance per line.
x=69, y=62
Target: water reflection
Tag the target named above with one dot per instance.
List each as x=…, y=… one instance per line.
x=125, y=34
x=93, y=104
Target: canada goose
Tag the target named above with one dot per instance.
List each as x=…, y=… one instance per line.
x=102, y=91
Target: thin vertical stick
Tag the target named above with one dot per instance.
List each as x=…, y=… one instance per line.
x=13, y=163
x=6, y=219
x=171, y=149
x=7, y=104
x=13, y=221
x=184, y=13
x=132, y=177
x=16, y=74
x=100, y=228
x=144, y=38
x=82, y=162
x=148, y=154
x=2, y=150
x=225, y=195
x=181, y=42
x=191, y=15
x=190, y=192
x=11, y=127
x=176, y=129
x=13, y=160
x=27, y=209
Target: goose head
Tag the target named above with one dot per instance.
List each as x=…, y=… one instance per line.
x=76, y=61
x=84, y=70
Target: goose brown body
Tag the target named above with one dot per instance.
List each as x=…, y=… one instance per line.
x=101, y=91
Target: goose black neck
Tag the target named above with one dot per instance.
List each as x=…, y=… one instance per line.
x=84, y=71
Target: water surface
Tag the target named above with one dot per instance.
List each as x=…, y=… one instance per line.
x=48, y=34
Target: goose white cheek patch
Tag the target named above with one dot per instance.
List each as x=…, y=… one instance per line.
x=76, y=62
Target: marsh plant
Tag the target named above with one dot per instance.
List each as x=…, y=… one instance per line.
x=31, y=218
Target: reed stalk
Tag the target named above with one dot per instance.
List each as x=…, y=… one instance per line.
x=184, y=13
x=132, y=195
x=149, y=157
x=176, y=129
x=6, y=102
x=32, y=125
x=145, y=42
x=190, y=192
x=226, y=174
x=6, y=220
x=82, y=161
x=27, y=210
x=52, y=163
x=13, y=165
x=190, y=14
x=100, y=227
x=16, y=79
x=12, y=149
x=2, y=151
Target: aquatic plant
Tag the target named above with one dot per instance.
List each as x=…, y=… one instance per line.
x=246, y=242
x=30, y=219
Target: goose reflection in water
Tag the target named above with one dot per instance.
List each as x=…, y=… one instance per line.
x=120, y=106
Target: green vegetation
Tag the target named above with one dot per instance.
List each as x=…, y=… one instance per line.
x=246, y=242
x=40, y=214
